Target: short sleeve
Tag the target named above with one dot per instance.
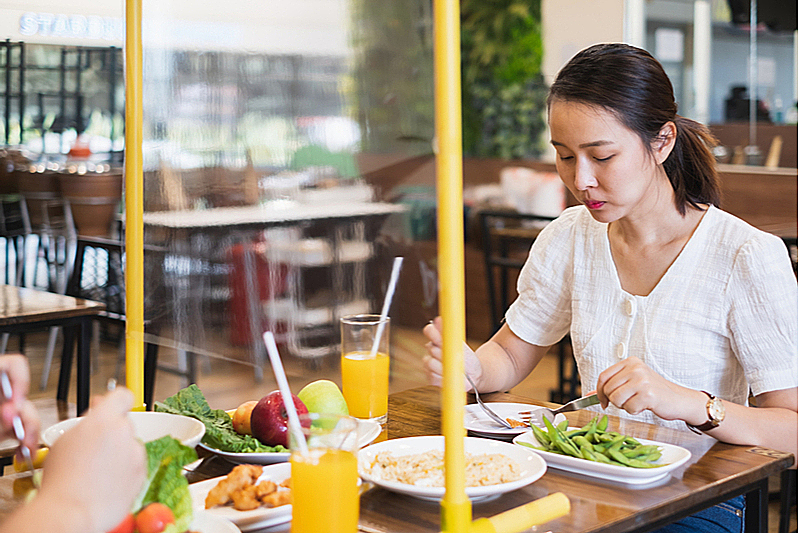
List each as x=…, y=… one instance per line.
x=541, y=314
x=761, y=297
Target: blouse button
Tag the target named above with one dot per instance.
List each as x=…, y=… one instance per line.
x=630, y=307
x=621, y=350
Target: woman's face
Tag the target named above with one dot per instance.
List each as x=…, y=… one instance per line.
x=603, y=163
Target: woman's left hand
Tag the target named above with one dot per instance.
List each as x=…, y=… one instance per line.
x=633, y=386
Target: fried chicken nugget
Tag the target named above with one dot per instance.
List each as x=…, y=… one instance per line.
x=265, y=488
x=277, y=498
x=240, y=477
x=246, y=499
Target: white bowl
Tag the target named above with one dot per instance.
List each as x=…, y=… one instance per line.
x=148, y=426
x=531, y=464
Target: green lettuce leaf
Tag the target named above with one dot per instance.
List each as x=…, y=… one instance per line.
x=166, y=483
x=219, y=426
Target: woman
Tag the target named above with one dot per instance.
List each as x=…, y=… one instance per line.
x=677, y=311
x=81, y=488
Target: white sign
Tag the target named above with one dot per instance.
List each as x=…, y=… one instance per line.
x=72, y=26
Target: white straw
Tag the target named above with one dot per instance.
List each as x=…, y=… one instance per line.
x=387, y=303
x=286, y=393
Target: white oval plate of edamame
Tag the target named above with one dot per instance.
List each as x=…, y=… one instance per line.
x=671, y=458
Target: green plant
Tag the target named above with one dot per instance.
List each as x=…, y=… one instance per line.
x=502, y=88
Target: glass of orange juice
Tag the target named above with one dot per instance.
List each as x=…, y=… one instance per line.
x=365, y=378
x=325, y=496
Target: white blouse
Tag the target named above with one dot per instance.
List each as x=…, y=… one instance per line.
x=723, y=318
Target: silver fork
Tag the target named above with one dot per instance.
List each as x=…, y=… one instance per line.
x=485, y=407
x=536, y=416
x=19, y=430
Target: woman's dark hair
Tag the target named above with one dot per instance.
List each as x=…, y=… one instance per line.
x=630, y=83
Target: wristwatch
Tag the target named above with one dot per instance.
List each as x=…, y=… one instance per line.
x=716, y=414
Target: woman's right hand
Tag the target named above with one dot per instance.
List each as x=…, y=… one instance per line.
x=16, y=367
x=432, y=363
x=99, y=465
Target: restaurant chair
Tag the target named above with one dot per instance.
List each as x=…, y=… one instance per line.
x=98, y=274
x=791, y=247
x=507, y=237
x=788, y=499
x=15, y=226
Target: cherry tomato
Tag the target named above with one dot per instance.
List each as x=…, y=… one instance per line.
x=154, y=518
x=126, y=526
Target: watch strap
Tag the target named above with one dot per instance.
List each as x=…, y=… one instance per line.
x=710, y=423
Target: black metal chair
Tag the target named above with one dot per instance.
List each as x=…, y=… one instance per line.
x=98, y=274
x=788, y=497
x=507, y=237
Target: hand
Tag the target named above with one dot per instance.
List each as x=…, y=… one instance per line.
x=98, y=466
x=432, y=362
x=16, y=367
x=633, y=386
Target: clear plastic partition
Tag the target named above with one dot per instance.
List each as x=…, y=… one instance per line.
x=276, y=138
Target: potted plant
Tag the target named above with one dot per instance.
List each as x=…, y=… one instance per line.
x=503, y=92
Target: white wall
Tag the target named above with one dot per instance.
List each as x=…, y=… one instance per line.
x=568, y=26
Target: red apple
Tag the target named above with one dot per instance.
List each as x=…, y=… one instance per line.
x=269, y=421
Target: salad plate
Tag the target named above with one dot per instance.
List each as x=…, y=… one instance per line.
x=368, y=431
x=244, y=520
x=671, y=458
x=532, y=466
x=478, y=423
x=203, y=522
x=148, y=425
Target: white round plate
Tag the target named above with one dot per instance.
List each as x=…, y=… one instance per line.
x=478, y=423
x=245, y=520
x=532, y=465
x=148, y=426
x=368, y=431
x=671, y=458
x=204, y=522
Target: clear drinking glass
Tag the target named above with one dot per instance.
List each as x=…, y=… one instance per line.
x=325, y=495
x=365, y=379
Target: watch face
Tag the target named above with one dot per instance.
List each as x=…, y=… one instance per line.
x=716, y=410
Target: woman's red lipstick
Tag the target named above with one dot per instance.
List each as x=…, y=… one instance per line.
x=594, y=205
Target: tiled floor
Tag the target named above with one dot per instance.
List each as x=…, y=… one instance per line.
x=226, y=383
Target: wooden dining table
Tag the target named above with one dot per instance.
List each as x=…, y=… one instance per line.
x=23, y=310
x=715, y=473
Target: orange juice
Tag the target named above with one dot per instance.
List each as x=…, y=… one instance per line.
x=365, y=384
x=324, y=491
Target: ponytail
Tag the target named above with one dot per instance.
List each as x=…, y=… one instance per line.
x=691, y=167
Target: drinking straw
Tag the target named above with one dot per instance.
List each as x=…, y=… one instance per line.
x=387, y=303
x=286, y=393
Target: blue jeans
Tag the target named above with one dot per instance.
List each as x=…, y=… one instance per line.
x=725, y=517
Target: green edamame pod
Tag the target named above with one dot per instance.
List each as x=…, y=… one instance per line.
x=541, y=436
x=581, y=441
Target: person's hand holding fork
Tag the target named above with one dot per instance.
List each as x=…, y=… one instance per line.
x=432, y=362
x=16, y=368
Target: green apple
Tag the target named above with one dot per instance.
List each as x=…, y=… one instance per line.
x=323, y=396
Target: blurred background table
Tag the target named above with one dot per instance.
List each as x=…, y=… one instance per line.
x=23, y=309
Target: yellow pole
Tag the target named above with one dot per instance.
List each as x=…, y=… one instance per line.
x=456, y=512
x=134, y=204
